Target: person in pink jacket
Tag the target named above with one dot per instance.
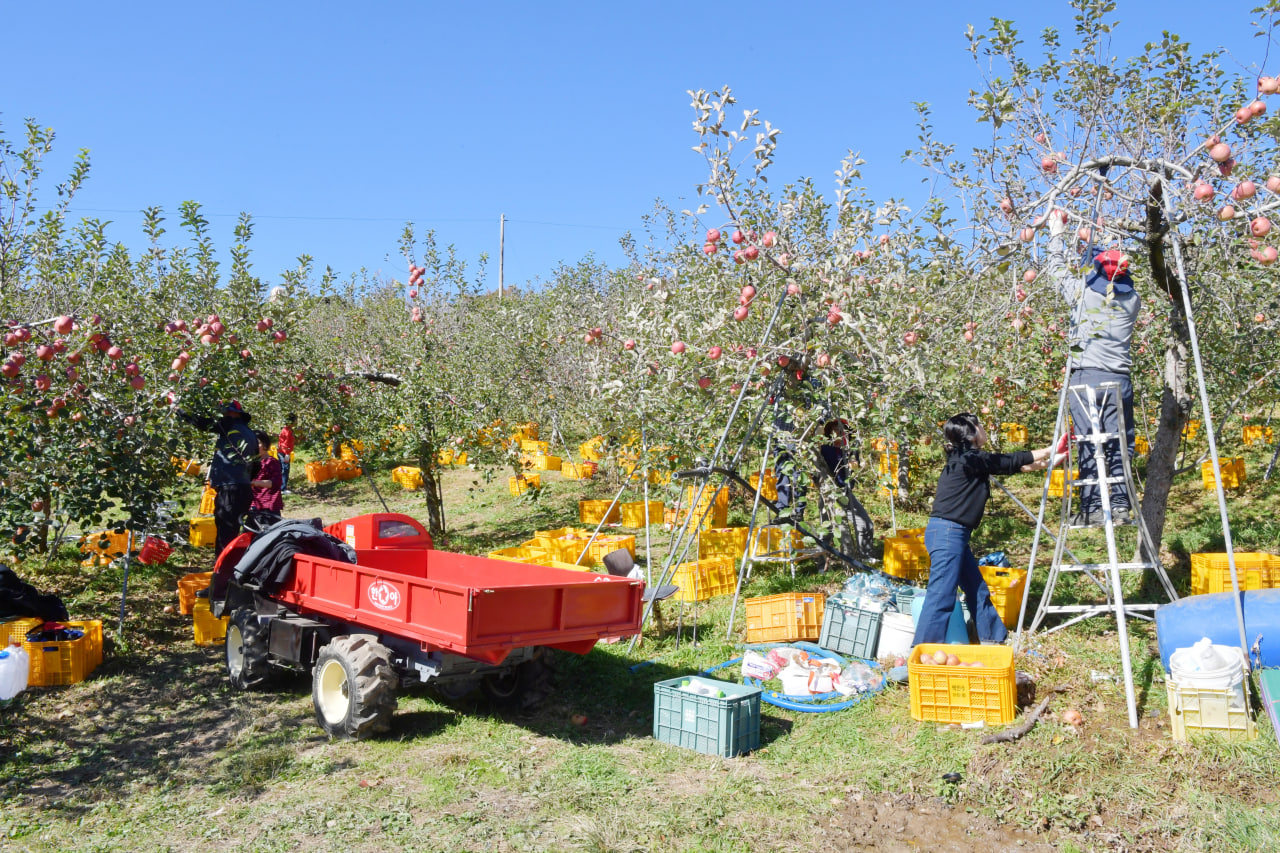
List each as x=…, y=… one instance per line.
x=269, y=479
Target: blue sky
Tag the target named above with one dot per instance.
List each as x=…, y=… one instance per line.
x=333, y=124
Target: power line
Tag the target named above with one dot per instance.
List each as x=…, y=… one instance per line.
x=299, y=218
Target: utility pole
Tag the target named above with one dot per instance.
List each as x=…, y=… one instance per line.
x=502, y=231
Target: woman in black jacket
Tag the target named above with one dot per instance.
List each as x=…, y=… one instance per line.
x=961, y=498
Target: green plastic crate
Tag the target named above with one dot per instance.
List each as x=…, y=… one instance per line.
x=725, y=725
x=848, y=630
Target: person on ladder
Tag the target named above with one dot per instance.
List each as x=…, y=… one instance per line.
x=958, y=504
x=1104, y=308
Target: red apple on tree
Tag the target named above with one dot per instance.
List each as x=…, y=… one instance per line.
x=678, y=347
x=714, y=353
x=63, y=325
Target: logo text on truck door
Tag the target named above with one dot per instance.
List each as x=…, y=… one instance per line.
x=383, y=595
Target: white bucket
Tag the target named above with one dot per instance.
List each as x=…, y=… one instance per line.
x=1207, y=666
x=897, y=631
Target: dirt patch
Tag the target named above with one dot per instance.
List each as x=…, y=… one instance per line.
x=906, y=824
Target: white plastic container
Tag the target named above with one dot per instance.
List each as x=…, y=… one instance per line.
x=15, y=668
x=897, y=631
x=1208, y=666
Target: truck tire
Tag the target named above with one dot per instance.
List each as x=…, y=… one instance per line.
x=353, y=687
x=524, y=687
x=246, y=650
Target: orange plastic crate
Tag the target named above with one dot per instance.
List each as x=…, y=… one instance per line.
x=317, y=472
x=1006, y=591
x=785, y=617
x=728, y=542
x=700, y=580
x=964, y=694
x=188, y=586
x=1212, y=573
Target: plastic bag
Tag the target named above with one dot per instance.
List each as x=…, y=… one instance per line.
x=856, y=678
x=756, y=665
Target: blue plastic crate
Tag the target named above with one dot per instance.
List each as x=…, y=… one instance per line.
x=848, y=630
x=724, y=725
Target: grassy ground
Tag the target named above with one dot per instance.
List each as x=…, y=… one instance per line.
x=156, y=752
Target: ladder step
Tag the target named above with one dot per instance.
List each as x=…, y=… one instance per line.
x=1115, y=522
x=1094, y=481
x=1097, y=567
x=1095, y=608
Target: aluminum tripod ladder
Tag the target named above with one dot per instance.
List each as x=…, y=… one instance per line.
x=1106, y=576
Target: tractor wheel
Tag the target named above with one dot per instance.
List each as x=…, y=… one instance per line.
x=246, y=646
x=524, y=687
x=353, y=687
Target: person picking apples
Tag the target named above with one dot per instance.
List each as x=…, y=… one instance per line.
x=961, y=498
x=284, y=451
x=1104, y=309
x=235, y=451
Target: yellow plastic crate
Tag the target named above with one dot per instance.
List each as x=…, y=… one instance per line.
x=777, y=540
x=719, y=498
x=1140, y=445
x=906, y=558
x=445, y=456
x=188, y=586
x=519, y=554
x=208, y=630
x=964, y=694
x=524, y=431
x=605, y=545
x=351, y=452
x=1233, y=473
x=1014, y=433
x=93, y=642
x=659, y=478
x=1199, y=711
x=533, y=446
x=407, y=477
x=460, y=458
x=16, y=629
x=1212, y=573
x=769, y=491
x=728, y=542
x=911, y=533
x=1056, y=483
x=1257, y=433
x=58, y=663
x=560, y=564
x=208, y=499
x=1006, y=587
x=563, y=544
x=519, y=485
x=887, y=464
x=543, y=462
x=591, y=450
x=578, y=471
x=632, y=513
x=187, y=467
x=1189, y=431
x=786, y=617
x=204, y=533
x=597, y=512
x=878, y=444
x=700, y=580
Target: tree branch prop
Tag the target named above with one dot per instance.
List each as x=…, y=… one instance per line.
x=1010, y=735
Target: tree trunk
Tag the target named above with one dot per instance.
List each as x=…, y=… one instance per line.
x=434, y=490
x=1175, y=399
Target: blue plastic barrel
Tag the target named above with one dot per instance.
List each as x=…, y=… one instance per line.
x=957, y=633
x=1180, y=623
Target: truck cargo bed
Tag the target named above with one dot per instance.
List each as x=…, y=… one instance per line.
x=470, y=606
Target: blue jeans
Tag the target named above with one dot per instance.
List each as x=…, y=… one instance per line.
x=952, y=564
x=285, y=459
x=1109, y=421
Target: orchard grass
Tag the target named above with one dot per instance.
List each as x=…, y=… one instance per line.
x=155, y=751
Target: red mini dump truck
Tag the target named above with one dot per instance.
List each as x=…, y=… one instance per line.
x=404, y=614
